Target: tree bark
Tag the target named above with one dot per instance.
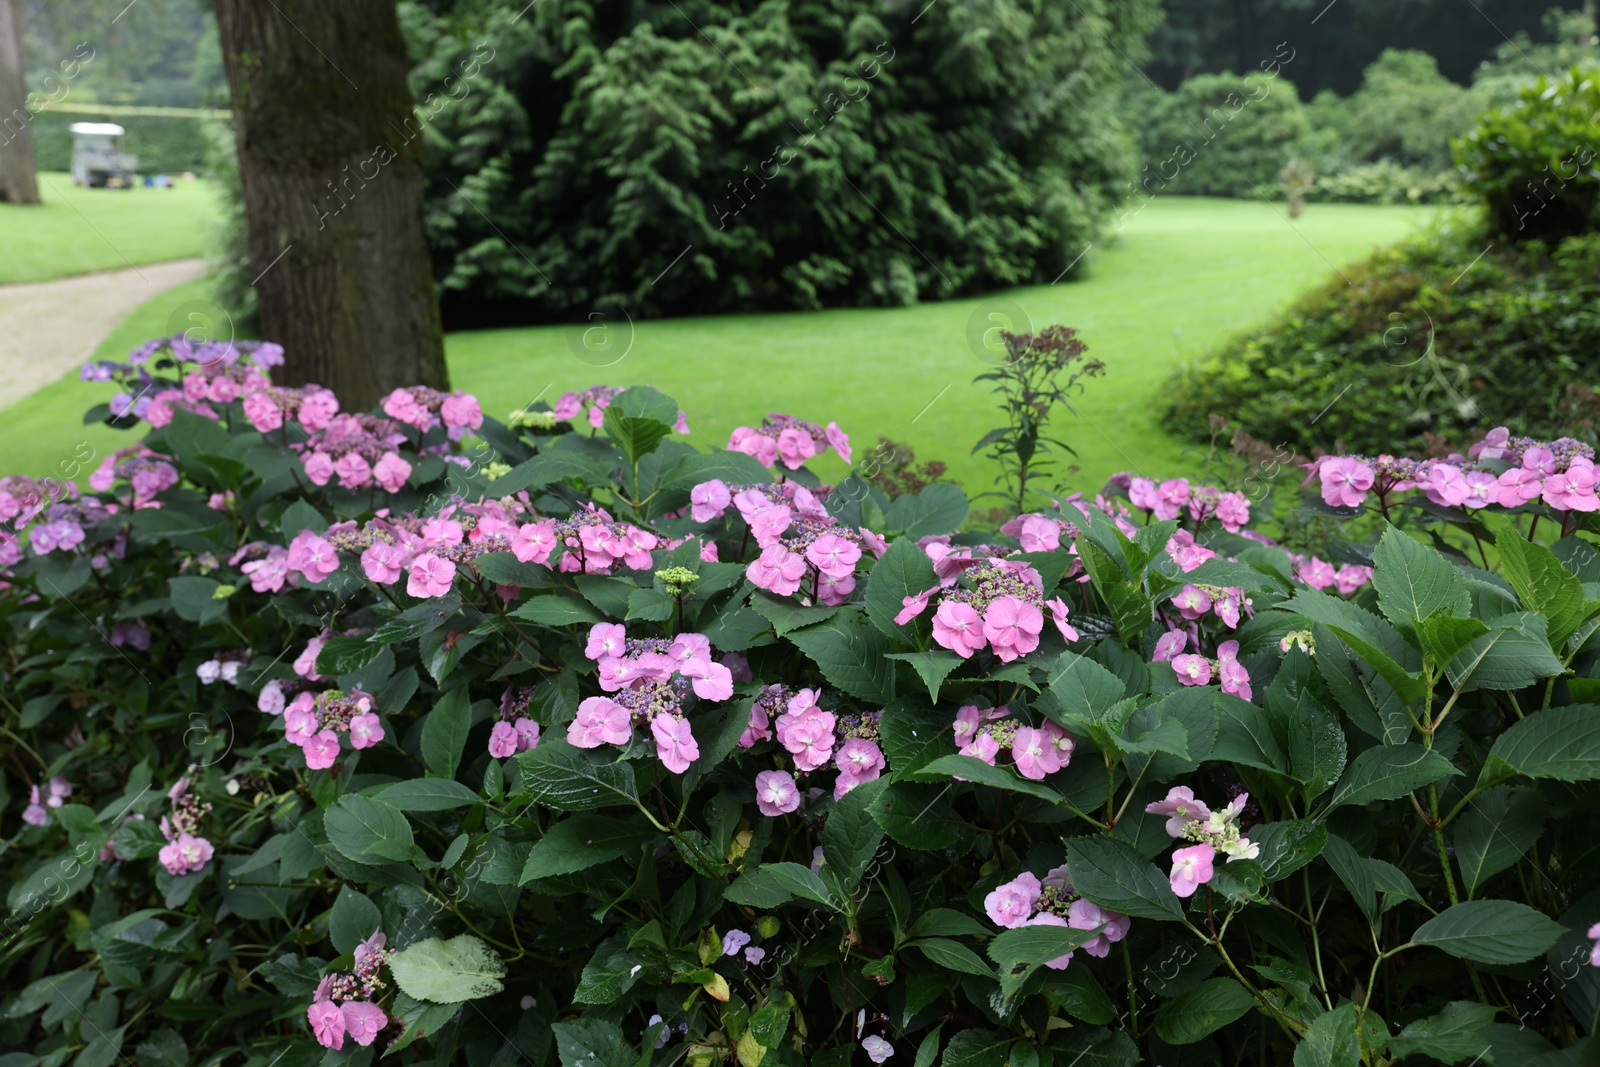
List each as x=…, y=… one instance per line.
x=330, y=159
x=17, y=182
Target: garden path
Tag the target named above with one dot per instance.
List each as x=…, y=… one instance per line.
x=48, y=328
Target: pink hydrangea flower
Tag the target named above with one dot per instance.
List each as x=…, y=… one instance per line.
x=1169, y=645
x=1572, y=490
x=675, y=743
x=834, y=555
x=362, y=1020
x=185, y=854
x=327, y=1024
x=533, y=542
x=1181, y=808
x=1082, y=915
x=776, y=793
x=778, y=570
x=1192, y=669
x=1233, y=511
x=1033, y=753
x=1192, y=601
x=431, y=576
x=1012, y=627
x=391, y=472
x=1345, y=481
x=312, y=556
x=1191, y=869
x=839, y=440
x=795, y=446
x=305, y=664
x=1518, y=486
x=461, y=411
x=1010, y=904
x=502, y=741
x=858, y=760
x=877, y=1048
x=263, y=412
x=319, y=467
x=958, y=627
x=383, y=563
x=353, y=470
x=1171, y=496
x=527, y=732
x=321, y=750
x=709, y=500
x=606, y=639
x=600, y=721
x=365, y=730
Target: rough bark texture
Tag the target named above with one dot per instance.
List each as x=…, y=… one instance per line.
x=333, y=186
x=17, y=182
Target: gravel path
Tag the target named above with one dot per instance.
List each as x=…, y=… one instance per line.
x=50, y=328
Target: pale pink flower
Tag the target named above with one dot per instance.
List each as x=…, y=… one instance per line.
x=958, y=627
x=1058, y=615
x=675, y=743
x=1518, y=486
x=834, y=555
x=391, y=472
x=263, y=412
x=876, y=1048
x=186, y=854
x=1233, y=511
x=912, y=606
x=709, y=500
x=321, y=750
x=353, y=471
x=363, y=1019
x=606, y=639
x=1191, y=869
x=1572, y=490
x=431, y=576
x=527, y=732
x=778, y=570
x=312, y=556
x=319, y=467
x=383, y=563
x=858, y=760
x=502, y=740
x=460, y=411
x=1171, y=496
x=1012, y=627
x=1181, y=809
x=1345, y=481
x=1169, y=645
x=1192, y=669
x=317, y=409
x=1033, y=754
x=795, y=446
x=365, y=730
x=839, y=440
x=1082, y=915
x=327, y=1023
x=533, y=542
x=599, y=722
x=305, y=664
x=1011, y=903
x=1192, y=601
x=776, y=793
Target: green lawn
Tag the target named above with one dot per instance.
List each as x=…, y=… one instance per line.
x=78, y=231
x=1183, y=275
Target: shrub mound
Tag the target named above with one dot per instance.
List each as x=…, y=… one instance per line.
x=1419, y=343
x=328, y=736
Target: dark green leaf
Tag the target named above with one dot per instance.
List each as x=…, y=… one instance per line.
x=1113, y=875
x=444, y=732
x=1388, y=772
x=1208, y=1007
x=1490, y=931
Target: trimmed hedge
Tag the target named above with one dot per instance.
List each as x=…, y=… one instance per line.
x=1515, y=338
x=162, y=142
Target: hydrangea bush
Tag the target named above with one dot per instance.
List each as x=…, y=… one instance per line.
x=424, y=736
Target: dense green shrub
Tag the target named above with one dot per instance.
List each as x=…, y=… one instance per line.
x=1221, y=134
x=1386, y=182
x=794, y=155
x=1405, y=113
x=163, y=143
x=1415, y=343
x=1536, y=164
x=328, y=737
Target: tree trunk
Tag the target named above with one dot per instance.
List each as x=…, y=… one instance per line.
x=331, y=164
x=17, y=182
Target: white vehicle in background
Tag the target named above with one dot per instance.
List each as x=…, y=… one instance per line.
x=98, y=158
